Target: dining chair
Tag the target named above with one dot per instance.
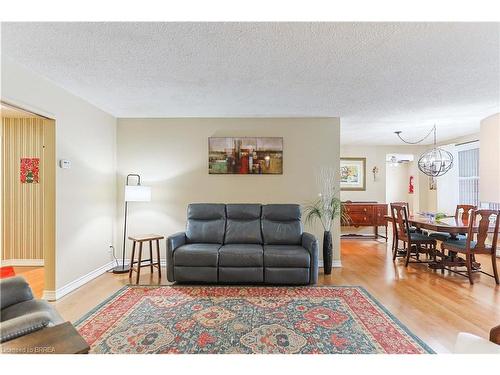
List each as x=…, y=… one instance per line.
x=395, y=240
x=471, y=247
x=462, y=212
x=423, y=244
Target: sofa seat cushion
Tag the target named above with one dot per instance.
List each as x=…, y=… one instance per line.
x=197, y=255
x=286, y=256
x=29, y=307
x=241, y=255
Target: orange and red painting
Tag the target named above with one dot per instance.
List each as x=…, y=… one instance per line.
x=30, y=170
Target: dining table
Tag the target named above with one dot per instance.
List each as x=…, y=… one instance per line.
x=449, y=224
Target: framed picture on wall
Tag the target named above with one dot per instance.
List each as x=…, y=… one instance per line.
x=30, y=170
x=245, y=155
x=353, y=174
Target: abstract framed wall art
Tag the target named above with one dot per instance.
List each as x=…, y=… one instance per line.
x=30, y=170
x=245, y=155
x=353, y=174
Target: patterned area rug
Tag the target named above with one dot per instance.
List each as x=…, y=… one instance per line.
x=197, y=319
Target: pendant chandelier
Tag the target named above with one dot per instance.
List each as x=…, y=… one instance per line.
x=435, y=162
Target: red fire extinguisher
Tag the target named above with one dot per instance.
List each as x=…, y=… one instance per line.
x=410, y=186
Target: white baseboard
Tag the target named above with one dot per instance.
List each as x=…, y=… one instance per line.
x=163, y=263
x=75, y=284
x=49, y=295
x=22, y=262
x=335, y=263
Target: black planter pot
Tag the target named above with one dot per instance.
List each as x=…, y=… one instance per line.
x=327, y=252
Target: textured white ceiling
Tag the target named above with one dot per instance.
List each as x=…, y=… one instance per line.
x=378, y=77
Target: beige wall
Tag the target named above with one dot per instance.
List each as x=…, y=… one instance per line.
x=489, y=159
x=424, y=199
x=397, y=188
x=171, y=155
x=375, y=156
x=86, y=193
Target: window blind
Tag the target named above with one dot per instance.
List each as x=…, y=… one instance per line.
x=468, y=176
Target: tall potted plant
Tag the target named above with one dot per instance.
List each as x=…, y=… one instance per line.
x=325, y=209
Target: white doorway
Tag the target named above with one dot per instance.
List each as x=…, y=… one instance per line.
x=27, y=205
x=397, y=176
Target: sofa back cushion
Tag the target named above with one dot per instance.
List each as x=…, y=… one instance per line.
x=281, y=224
x=206, y=223
x=243, y=224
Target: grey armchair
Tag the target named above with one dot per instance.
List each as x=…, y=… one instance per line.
x=20, y=313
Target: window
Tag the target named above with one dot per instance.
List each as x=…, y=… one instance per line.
x=468, y=174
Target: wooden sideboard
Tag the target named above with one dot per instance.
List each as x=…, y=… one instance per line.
x=366, y=214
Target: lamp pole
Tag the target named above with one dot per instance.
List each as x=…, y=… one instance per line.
x=122, y=268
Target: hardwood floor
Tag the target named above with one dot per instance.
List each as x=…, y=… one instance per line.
x=433, y=306
x=34, y=276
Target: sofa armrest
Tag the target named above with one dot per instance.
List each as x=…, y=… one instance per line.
x=467, y=343
x=173, y=242
x=24, y=324
x=495, y=335
x=14, y=290
x=311, y=244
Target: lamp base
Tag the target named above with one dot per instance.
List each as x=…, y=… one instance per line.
x=121, y=269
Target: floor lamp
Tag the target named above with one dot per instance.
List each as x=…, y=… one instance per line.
x=133, y=193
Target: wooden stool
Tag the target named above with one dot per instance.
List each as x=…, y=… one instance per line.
x=141, y=239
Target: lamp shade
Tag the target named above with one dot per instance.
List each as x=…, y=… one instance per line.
x=137, y=193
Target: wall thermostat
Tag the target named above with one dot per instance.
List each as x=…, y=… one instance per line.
x=65, y=164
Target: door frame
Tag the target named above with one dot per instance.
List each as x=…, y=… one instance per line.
x=49, y=203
